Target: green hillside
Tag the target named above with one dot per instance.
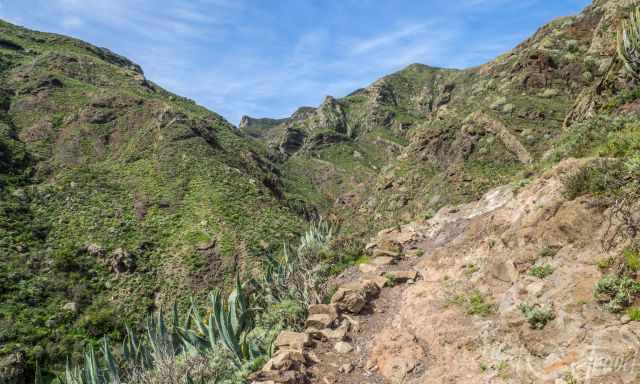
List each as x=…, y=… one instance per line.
x=116, y=196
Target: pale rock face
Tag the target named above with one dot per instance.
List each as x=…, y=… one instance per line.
x=503, y=235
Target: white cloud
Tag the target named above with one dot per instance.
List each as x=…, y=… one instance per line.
x=72, y=22
x=386, y=39
x=238, y=58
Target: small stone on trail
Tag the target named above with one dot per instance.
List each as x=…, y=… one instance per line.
x=343, y=347
x=346, y=368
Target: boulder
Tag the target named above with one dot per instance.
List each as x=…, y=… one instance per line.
x=388, y=245
x=354, y=297
x=285, y=360
x=343, y=347
x=278, y=377
x=12, y=368
x=324, y=309
x=70, y=306
x=366, y=286
x=349, y=300
x=292, y=340
x=319, y=321
x=379, y=281
x=94, y=250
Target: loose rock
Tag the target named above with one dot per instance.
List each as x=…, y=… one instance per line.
x=343, y=347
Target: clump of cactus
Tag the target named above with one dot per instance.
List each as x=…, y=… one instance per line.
x=297, y=273
x=226, y=327
x=222, y=333
x=228, y=324
x=629, y=43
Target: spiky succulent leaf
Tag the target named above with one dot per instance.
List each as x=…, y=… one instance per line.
x=629, y=43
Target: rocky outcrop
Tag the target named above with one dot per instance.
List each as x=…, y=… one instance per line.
x=486, y=250
x=259, y=128
x=330, y=116
x=460, y=317
x=481, y=121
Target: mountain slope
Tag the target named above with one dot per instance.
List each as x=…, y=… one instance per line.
x=116, y=196
x=426, y=137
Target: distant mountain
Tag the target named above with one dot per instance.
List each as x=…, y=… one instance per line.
x=425, y=137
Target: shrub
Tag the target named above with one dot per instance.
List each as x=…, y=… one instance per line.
x=166, y=346
x=606, y=262
x=299, y=273
x=634, y=313
x=474, y=304
x=537, y=316
x=601, y=177
x=632, y=259
x=541, y=271
x=616, y=292
x=548, y=252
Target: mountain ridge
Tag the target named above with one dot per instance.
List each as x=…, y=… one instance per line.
x=118, y=197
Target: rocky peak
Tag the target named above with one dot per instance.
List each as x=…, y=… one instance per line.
x=381, y=93
x=330, y=116
x=244, y=122
x=302, y=113
x=259, y=127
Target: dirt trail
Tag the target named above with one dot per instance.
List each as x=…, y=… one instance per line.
x=356, y=366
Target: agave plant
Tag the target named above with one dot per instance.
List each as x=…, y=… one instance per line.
x=629, y=43
x=295, y=273
x=228, y=323
x=135, y=353
x=90, y=373
x=316, y=238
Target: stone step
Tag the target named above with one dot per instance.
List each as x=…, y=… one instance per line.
x=368, y=269
x=292, y=340
x=381, y=261
x=402, y=276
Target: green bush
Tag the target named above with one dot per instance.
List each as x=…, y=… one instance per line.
x=616, y=293
x=474, y=304
x=600, y=177
x=541, y=271
x=634, y=313
x=537, y=316
x=632, y=259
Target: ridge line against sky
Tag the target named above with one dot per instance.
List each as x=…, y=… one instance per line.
x=266, y=58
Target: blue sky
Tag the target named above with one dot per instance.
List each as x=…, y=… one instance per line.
x=265, y=58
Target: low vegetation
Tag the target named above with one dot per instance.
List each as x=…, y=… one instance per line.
x=474, y=304
x=537, y=315
x=617, y=292
x=541, y=271
x=234, y=336
x=629, y=43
